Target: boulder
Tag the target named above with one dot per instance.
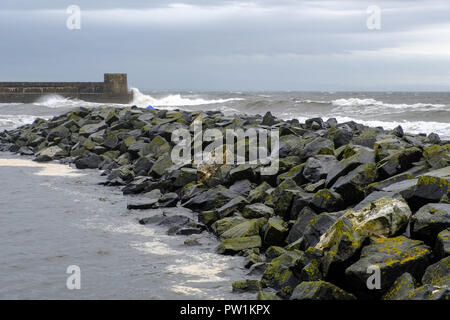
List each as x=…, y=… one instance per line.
x=247, y=286
x=50, y=154
x=89, y=129
x=326, y=201
x=298, y=229
x=394, y=256
x=247, y=228
x=278, y=273
x=257, y=210
x=433, y=185
x=317, y=167
x=430, y=220
x=320, y=290
x=91, y=161
x=438, y=274
x=222, y=225
x=398, y=162
x=274, y=232
x=401, y=289
x=157, y=147
x=318, y=146
x=234, y=245
x=442, y=247
x=145, y=201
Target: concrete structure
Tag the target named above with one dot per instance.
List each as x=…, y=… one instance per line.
x=114, y=89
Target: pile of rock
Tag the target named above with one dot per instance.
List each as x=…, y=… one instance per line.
x=347, y=199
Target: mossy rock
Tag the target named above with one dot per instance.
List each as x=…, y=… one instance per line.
x=257, y=210
x=320, y=290
x=235, y=245
x=442, y=247
x=279, y=274
x=326, y=200
x=393, y=256
x=222, y=225
x=401, y=288
x=248, y=285
x=245, y=229
x=259, y=194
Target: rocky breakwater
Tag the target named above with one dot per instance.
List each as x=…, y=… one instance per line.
x=353, y=212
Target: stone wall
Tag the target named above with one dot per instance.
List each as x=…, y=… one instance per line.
x=113, y=89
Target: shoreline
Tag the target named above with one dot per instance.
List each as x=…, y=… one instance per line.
x=345, y=197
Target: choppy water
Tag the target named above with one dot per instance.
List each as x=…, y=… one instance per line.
x=416, y=112
x=53, y=217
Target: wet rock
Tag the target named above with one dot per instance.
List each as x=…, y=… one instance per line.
x=145, y=201
x=281, y=197
x=430, y=220
x=247, y=286
x=320, y=290
x=91, y=161
x=142, y=166
x=263, y=295
x=268, y=119
x=231, y=206
x=192, y=242
x=50, y=154
x=233, y=246
x=222, y=225
x=58, y=134
x=160, y=166
x=393, y=256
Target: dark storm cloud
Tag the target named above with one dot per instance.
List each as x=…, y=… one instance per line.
x=230, y=45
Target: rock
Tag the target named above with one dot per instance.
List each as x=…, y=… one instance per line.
x=401, y=289
x=351, y=186
x=398, y=131
x=274, y=232
x=433, y=185
x=50, y=154
x=160, y=166
x=142, y=166
x=184, y=176
x=247, y=228
x=326, y=201
x=91, y=161
x=438, y=274
x=318, y=146
x=192, y=242
x=442, y=247
x=232, y=246
x=89, y=129
x=385, y=217
x=231, y=206
x=315, y=228
x=398, y=162
x=278, y=273
x=298, y=229
x=274, y=252
x=361, y=156
x=437, y=156
x=430, y=220
x=241, y=172
x=317, y=167
x=281, y=197
x=263, y=295
x=157, y=147
x=58, y=134
x=433, y=138
x=394, y=256
x=341, y=245
x=311, y=272
x=222, y=225
x=268, y=119
x=319, y=290
x=257, y=210
x=242, y=187
x=247, y=286
x=315, y=123
x=211, y=199
x=301, y=201
x=145, y=201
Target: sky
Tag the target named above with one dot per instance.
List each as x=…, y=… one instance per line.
x=215, y=45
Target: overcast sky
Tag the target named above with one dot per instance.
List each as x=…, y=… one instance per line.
x=230, y=45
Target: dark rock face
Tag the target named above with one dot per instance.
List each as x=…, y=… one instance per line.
x=430, y=220
x=339, y=203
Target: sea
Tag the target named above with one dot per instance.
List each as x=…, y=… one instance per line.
x=54, y=217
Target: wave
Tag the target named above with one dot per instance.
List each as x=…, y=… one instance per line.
x=176, y=100
x=57, y=101
x=14, y=121
x=357, y=102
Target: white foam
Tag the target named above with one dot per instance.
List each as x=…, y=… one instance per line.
x=175, y=100
x=47, y=169
x=357, y=102
x=57, y=101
